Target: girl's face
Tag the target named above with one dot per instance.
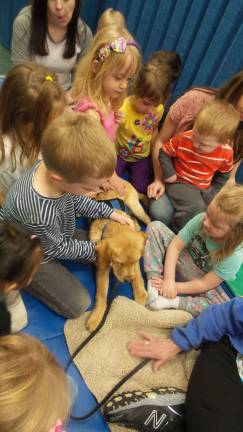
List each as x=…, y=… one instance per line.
x=144, y=105
x=116, y=82
x=60, y=12
x=239, y=107
x=215, y=225
x=113, y=84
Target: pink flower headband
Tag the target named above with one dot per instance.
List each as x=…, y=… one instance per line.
x=118, y=45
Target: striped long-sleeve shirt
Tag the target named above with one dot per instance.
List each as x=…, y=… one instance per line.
x=194, y=167
x=53, y=219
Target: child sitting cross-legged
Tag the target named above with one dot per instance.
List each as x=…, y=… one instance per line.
x=196, y=164
x=207, y=251
x=46, y=198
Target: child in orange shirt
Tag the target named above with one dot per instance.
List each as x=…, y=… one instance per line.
x=202, y=160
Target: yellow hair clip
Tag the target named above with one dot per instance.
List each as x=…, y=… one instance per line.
x=48, y=78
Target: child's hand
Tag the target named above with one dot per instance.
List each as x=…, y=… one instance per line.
x=119, y=117
x=122, y=219
x=156, y=189
x=169, y=289
x=157, y=283
x=171, y=179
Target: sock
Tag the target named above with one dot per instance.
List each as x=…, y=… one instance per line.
x=16, y=308
x=153, y=294
x=164, y=303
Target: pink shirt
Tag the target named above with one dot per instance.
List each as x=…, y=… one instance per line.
x=186, y=108
x=107, y=121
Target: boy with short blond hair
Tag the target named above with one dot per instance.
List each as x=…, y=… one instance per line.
x=196, y=164
x=46, y=198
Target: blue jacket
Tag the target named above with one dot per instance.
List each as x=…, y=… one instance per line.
x=211, y=325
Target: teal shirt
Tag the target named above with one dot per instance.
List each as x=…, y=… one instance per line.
x=201, y=246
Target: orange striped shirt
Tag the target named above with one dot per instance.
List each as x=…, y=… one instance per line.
x=197, y=168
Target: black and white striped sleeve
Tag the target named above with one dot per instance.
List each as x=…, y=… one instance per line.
x=56, y=245
x=88, y=207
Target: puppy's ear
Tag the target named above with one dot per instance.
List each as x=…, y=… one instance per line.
x=144, y=236
x=104, y=253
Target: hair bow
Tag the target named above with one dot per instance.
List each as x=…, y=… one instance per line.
x=118, y=45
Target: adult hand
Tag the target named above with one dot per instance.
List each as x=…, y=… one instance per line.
x=155, y=190
x=155, y=348
x=122, y=219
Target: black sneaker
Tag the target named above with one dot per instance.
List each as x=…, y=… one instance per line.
x=161, y=409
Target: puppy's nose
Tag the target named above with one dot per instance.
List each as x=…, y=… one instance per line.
x=129, y=277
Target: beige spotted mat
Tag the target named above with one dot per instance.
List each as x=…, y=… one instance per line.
x=105, y=360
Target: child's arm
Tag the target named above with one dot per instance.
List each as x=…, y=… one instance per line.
x=169, y=173
x=156, y=188
x=197, y=286
x=168, y=285
x=98, y=209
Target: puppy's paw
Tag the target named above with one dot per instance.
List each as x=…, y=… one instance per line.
x=93, y=321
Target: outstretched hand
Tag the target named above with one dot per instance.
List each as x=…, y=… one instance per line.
x=155, y=348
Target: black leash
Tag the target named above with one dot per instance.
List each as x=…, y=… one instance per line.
x=85, y=342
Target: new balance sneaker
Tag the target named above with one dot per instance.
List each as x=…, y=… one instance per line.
x=161, y=409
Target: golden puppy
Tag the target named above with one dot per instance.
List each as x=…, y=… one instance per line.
x=119, y=248
x=131, y=199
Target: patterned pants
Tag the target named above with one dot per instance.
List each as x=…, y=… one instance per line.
x=159, y=238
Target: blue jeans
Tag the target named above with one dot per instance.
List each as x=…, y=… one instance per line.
x=161, y=210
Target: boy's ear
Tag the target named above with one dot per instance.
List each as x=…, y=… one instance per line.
x=95, y=65
x=56, y=177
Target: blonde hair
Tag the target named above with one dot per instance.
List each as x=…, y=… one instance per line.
x=218, y=119
x=33, y=387
x=76, y=145
x=27, y=104
x=111, y=17
x=229, y=203
x=89, y=76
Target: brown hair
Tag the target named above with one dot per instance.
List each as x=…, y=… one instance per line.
x=156, y=76
x=28, y=102
x=218, y=119
x=20, y=255
x=33, y=387
x=170, y=59
x=229, y=203
x=76, y=145
x=88, y=83
x=111, y=17
x=231, y=92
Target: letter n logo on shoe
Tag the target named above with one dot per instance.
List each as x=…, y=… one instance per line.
x=157, y=421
